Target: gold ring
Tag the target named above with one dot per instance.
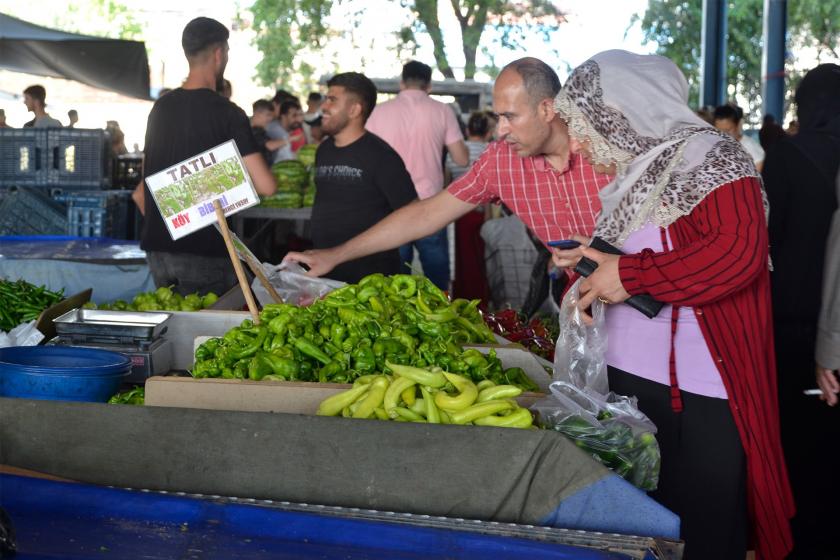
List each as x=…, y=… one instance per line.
x=604, y=301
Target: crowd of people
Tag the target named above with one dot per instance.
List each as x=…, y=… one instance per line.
x=740, y=239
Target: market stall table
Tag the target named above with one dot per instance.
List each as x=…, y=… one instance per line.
x=116, y=269
x=510, y=476
x=64, y=519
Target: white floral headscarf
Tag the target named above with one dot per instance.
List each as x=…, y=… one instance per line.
x=633, y=110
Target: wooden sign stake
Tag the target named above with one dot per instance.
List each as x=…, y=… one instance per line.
x=237, y=264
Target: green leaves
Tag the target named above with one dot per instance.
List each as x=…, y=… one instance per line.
x=676, y=26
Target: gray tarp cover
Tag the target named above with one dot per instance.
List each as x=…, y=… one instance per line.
x=111, y=64
x=457, y=471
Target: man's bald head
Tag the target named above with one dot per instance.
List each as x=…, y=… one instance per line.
x=537, y=77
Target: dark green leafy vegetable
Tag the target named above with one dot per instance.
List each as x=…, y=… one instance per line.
x=21, y=302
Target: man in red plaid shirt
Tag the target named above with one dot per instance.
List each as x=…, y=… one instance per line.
x=530, y=169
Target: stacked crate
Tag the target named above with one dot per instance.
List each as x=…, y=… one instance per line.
x=74, y=168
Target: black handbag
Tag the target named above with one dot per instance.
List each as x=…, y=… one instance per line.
x=643, y=302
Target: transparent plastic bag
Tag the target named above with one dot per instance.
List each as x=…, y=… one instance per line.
x=293, y=285
x=610, y=427
x=579, y=356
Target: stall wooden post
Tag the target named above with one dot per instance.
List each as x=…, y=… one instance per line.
x=257, y=269
x=237, y=264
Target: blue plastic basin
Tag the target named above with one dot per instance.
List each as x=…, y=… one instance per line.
x=61, y=373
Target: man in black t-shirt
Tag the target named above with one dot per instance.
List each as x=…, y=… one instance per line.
x=359, y=178
x=185, y=122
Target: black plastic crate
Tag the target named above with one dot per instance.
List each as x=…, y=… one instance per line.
x=128, y=170
x=23, y=157
x=30, y=211
x=78, y=158
x=99, y=213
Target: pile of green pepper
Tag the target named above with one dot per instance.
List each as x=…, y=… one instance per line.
x=353, y=331
x=21, y=302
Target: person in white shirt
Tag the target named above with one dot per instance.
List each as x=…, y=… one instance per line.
x=729, y=119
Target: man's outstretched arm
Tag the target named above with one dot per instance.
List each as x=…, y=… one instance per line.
x=413, y=221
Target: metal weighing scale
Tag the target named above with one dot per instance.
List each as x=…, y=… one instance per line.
x=137, y=334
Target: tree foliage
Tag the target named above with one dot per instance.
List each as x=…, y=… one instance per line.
x=285, y=28
x=512, y=20
x=676, y=27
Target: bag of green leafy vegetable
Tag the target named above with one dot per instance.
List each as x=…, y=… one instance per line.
x=610, y=427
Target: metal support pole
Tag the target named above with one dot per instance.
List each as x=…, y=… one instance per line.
x=773, y=58
x=713, y=76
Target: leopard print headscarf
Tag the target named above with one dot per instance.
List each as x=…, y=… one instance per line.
x=633, y=110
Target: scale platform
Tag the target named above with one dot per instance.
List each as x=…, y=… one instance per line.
x=137, y=334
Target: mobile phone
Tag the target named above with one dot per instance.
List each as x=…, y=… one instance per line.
x=564, y=243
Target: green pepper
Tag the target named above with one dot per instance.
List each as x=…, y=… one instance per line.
x=442, y=316
x=329, y=371
x=250, y=348
x=207, y=350
x=286, y=368
x=206, y=368
x=352, y=316
x=280, y=324
x=377, y=279
x=240, y=370
x=433, y=329
x=337, y=333
x=474, y=358
x=405, y=339
x=430, y=289
x=364, y=359
x=377, y=306
x=404, y=285
x=366, y=293
x=258, y=367
x=311, y=350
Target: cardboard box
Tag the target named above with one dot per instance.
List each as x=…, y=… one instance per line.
x=291, y=397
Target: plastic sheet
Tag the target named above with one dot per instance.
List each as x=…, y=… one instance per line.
x=22, y=335
x=293, y=285
x=98, y=249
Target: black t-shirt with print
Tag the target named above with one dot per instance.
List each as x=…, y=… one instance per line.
x=356, y=186
x=181, y=124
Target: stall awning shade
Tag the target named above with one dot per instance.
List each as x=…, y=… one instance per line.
x=110, y=64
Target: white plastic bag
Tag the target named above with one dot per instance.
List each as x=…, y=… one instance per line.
x=24, y=334
x=293, y=285
x=579, y=357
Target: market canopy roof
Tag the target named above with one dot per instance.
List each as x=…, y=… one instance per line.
x=112, y=64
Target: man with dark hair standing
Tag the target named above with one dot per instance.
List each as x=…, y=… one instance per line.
x=73, y=117
x=288, y=119
x=359, y=179
x=182, y=123
x=35, y=99
x=420, y=129
x=531, y=169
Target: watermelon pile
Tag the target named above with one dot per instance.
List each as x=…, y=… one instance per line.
x=295, y=180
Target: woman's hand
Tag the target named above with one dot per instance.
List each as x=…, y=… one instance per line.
x=603, y=284
x=828, y=384
x=568, y=258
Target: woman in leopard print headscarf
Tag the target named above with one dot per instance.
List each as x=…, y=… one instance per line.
x=688, y=209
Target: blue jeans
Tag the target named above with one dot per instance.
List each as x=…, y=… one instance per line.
x=434, y=256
